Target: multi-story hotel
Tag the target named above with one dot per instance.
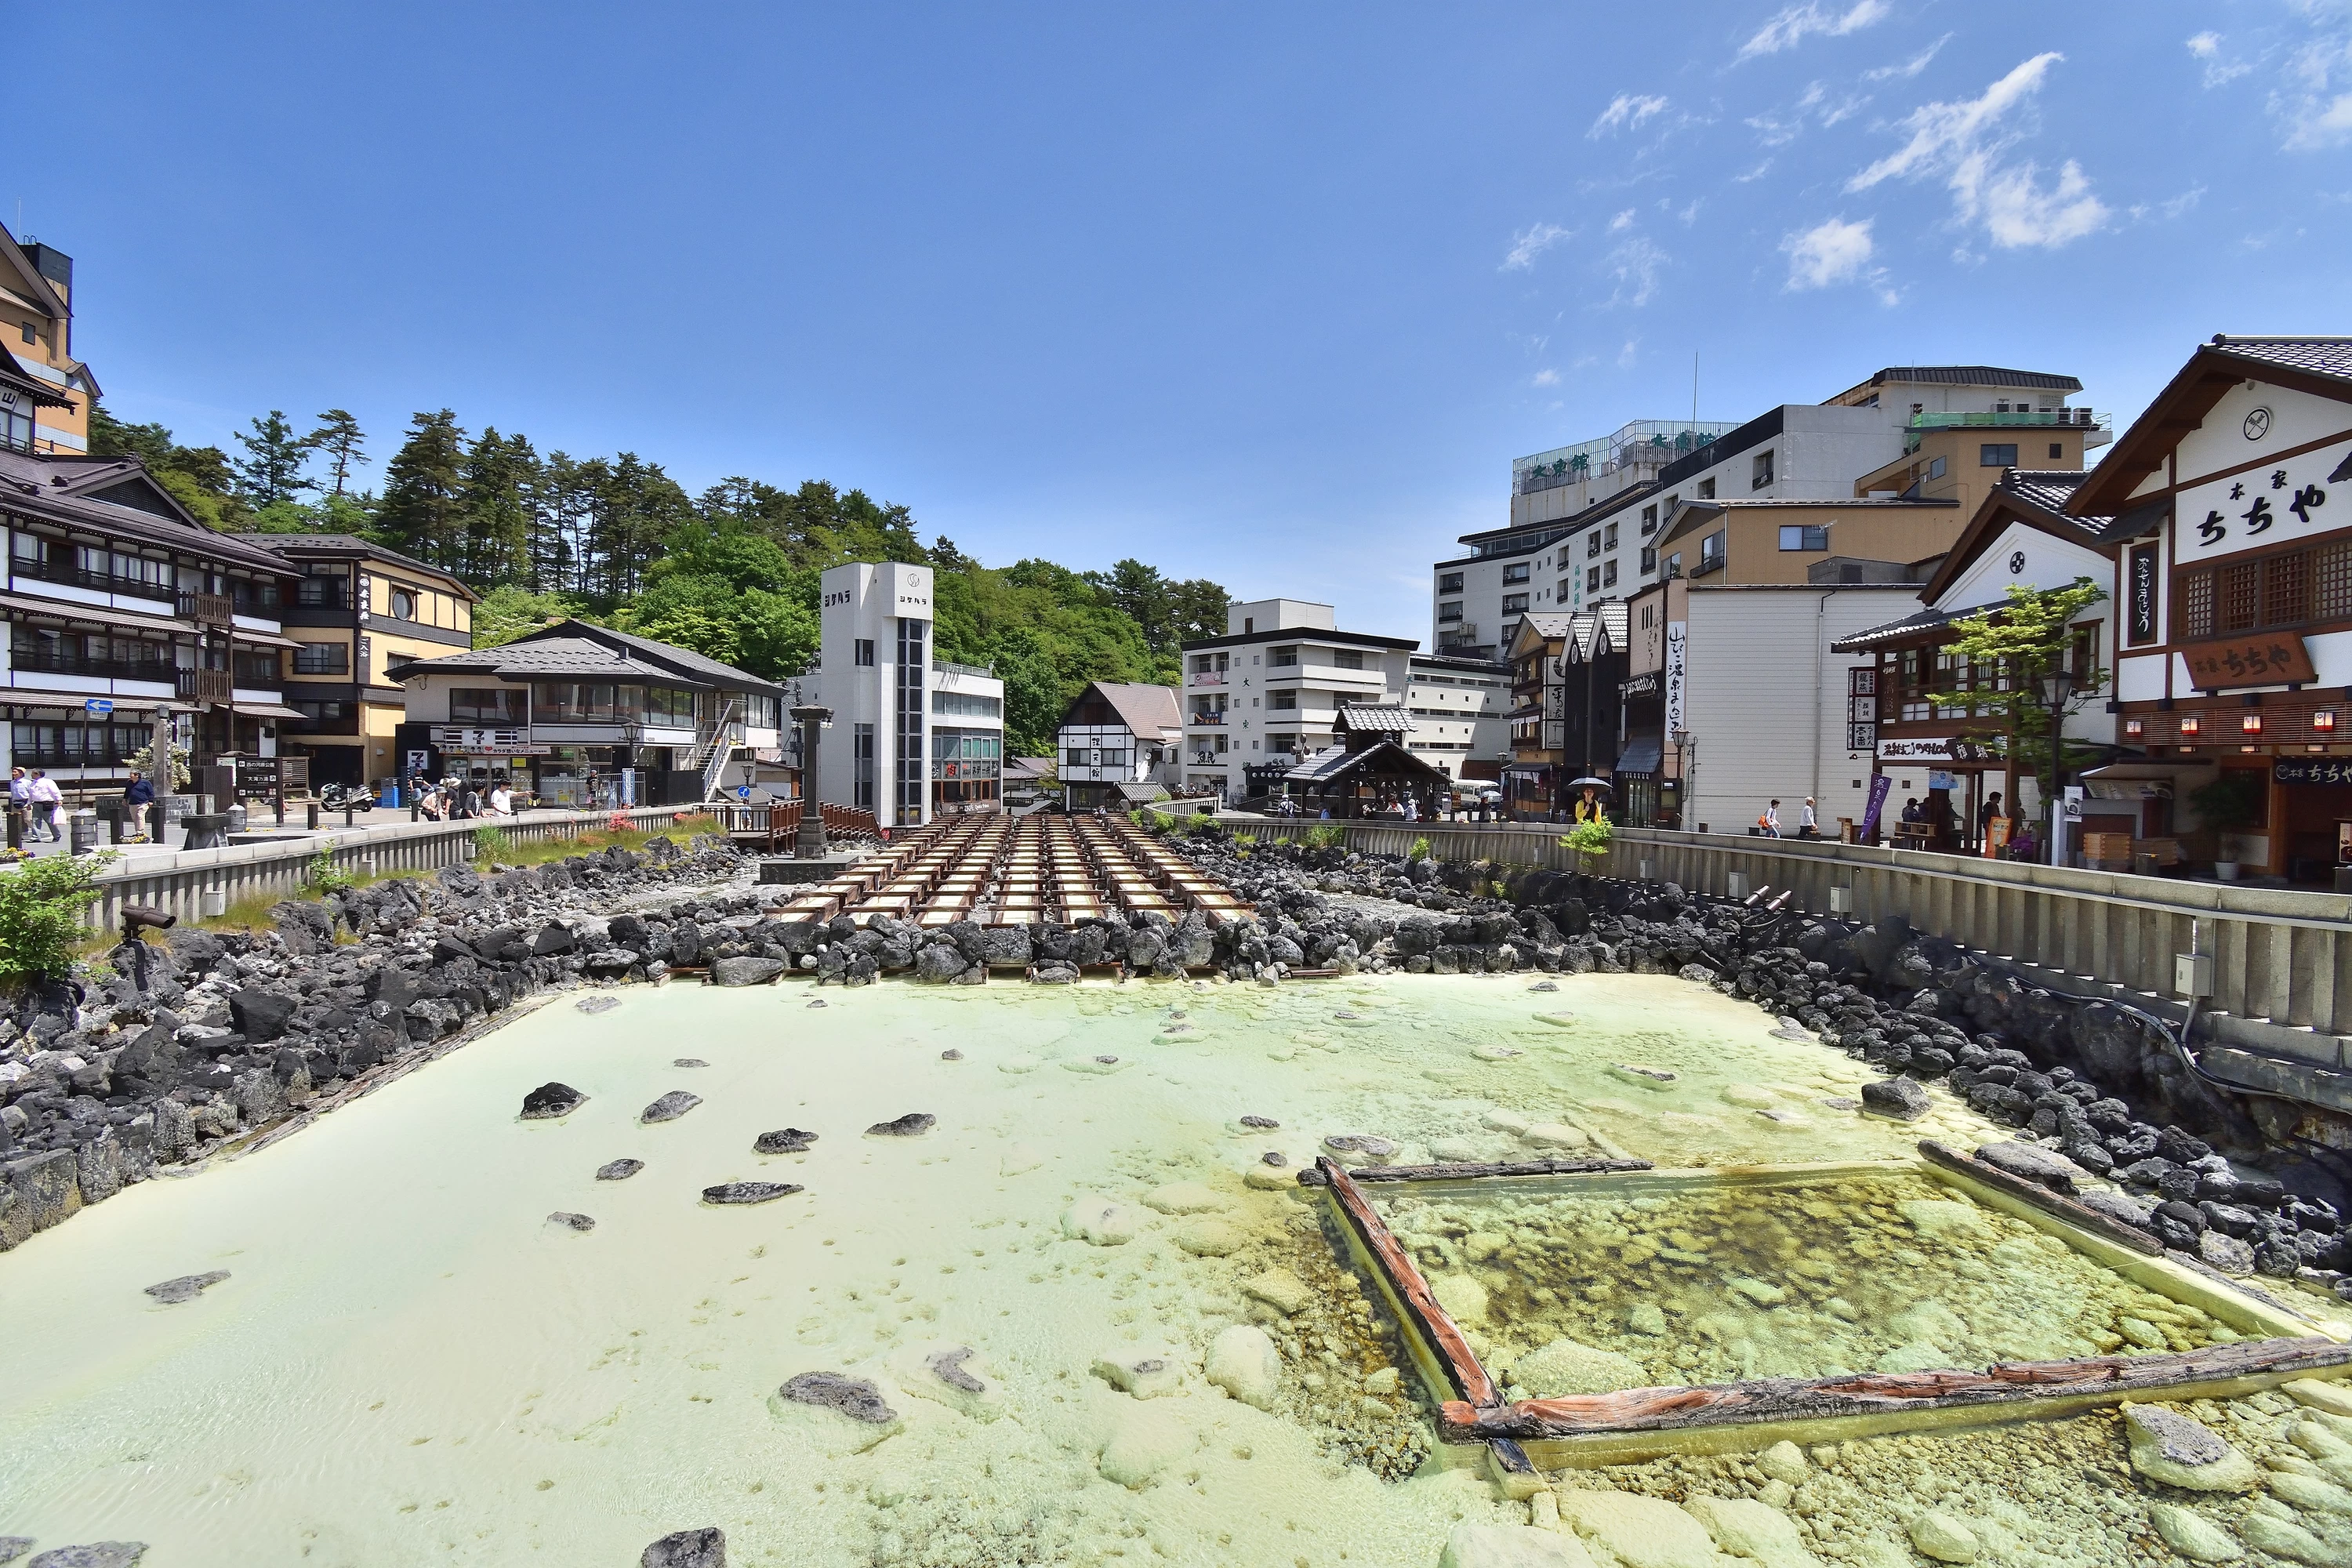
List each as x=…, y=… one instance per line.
x=1269, y=692
x=44, y=404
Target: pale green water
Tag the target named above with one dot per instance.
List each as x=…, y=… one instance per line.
x=410, y=1366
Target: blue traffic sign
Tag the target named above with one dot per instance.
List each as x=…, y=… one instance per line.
x=98, y=705
x=742, y=792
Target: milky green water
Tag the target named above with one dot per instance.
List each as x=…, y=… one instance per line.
x=410, y=1364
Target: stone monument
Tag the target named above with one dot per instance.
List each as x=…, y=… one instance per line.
x=812, y=860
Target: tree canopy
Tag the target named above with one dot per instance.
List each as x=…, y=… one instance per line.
x=731, y=572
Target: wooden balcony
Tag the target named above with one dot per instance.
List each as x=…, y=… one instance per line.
x=208, y=609
x=205, y=686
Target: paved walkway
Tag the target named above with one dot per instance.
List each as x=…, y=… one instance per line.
x=261, y=820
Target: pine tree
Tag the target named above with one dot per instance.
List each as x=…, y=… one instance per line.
x=495, y=489
x=271, y=470
x=421, y=515
x=340, y=437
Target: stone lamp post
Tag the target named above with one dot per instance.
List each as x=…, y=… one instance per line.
x=811, y=844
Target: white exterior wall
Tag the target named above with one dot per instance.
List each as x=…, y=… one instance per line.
x=1458, y=715
x=866, y=602
x=1766, y=699
x=1316, y=684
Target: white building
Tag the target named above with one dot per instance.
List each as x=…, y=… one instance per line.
x=1585, y=518
x=1461, y=713
x=911, y=737
x=1120, y=745
x=1270, y=689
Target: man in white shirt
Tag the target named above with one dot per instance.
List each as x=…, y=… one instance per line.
x=1811, y=826
x=47, y=800
x=501, y=802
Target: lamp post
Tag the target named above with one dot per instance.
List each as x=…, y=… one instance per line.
x=811, y=844
x=2057, y=686
x=1687, y=748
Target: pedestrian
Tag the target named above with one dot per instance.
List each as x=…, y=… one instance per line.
x=501, y=798
x=1989, y=813
x=1911, y=812
x=1770, y=821
x=1589, y=807
x=138, y=795
x=46, y=802
x=1811, y=825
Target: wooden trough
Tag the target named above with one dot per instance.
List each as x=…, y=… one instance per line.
x=1519, y=1437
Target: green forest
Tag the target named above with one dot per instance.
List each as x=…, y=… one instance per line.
x=731, y=572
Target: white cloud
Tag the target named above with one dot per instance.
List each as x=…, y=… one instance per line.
x=1834, y=251
x=1629, y=354
x=2205, y=46
x=1547, y=378
x=1963, y=143
x=1626, y=111
x=1635, y=264
x=1791, y=26
x=1622, y=222
x=1529, y=244
x=1909, y=68
x=2316, y=106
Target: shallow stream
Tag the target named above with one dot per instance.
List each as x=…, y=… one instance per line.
x=409, y=1362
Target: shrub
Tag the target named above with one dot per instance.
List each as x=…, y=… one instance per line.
x=489, y=842
x=40, y=905
x=322, y=876
x=1588, y=837
x=619, y=822
x=1326, y=835
x=1420, y=850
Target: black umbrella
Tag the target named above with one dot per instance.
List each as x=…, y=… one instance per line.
x=1588, y=782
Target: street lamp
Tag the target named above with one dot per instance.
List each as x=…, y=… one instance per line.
x=2057, y=686
x=1686, y=747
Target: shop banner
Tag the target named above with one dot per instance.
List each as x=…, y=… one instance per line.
x=2313, y=770
x=1879, y=785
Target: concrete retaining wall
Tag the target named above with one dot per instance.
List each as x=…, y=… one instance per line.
x=179, y=881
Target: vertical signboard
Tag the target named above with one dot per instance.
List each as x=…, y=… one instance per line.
x=1677, y=647
x=2139, y=590
x=1879, y=785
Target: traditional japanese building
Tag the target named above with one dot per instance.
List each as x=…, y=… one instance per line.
x=2234, y=662
x=1120, y=745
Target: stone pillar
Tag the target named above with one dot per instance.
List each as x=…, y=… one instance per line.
x=811, y=843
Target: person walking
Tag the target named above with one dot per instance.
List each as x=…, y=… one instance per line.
x=137, y=798
x=1770, y=821
x=46, y=802
x=501, y=798
x=1809, y=824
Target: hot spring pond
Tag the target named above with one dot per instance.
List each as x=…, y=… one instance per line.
x=410, y=1362
x=1640, y=1281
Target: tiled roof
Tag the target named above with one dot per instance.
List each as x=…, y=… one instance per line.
x=1909, y=626
x=562, y=650
x=1973, y=375
x=2051, y=488
x=2315, y=356
x=1370, y=718
x=1150, y=713
x=25, y=486
x=294, y=545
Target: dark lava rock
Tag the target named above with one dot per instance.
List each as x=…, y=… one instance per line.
x=1273, y=1157
x=947, y=1367
x=619, y=1170
x=551, y=1099
x=187, y=1287
x=14, y=1546
x=951, y=1055
x=690, y=1062
x=1263, y=1124
x=746, y=971
x=597, y=1003
x=914, y=1124
x=852, y=1396
x=259, y=1015
x=704, y=1548
x=749, y=1192
x=96, y=1554
x=784, y=1141
x=670, y=1106
x=1904, y=1099
x=2032, y=1162
x=2116, y=1206
x=572, y=1221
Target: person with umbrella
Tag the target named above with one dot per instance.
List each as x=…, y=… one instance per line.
x=1590, y=807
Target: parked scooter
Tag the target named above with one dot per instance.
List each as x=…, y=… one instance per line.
x=342, y=798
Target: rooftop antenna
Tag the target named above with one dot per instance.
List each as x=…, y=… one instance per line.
x=1693, y=394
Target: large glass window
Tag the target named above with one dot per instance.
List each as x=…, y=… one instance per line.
x=1800, y=536
x=973, y=705
x=500, y=705
x=574, y=702
x=322, y=659
x=325, y=588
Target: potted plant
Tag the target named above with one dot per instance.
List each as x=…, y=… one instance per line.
x=2228, y=806
x=1591, y=842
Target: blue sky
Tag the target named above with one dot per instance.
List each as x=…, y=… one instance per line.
x=1271, y=294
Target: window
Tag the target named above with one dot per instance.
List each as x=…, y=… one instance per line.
x=972, y=705
x=1283, y=658
x=1592, y=579
x=499, y=705
x=1759, y=469
x=1710, y=552
x=1608, y=537
x=1649, y=519
x=1674, y=567
x=1800, y=536
x=1282, y=699
x=1707, y=490
x=1566, y=590
x=329, y=717
x=1449, y=583
x=30, y=336
x=914, y=666
x=1515, y=572
x=1448, y=614
x=1997, y=455
x=2294, y=588
x=865, y=653
x=1515, y=603
x=1936, y=468
x=1609, y=574
x=861, y=756
x=1353, y=658
x=403, y=604
x=325, y=588
x=1591, y=545
x=1649, y=558
x=2057, y=449
x=322, y=659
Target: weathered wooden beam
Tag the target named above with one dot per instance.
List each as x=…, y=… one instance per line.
x=1312, y=1176
x=2076, y=1214
x=1781, y=1399
x=1404, y=1279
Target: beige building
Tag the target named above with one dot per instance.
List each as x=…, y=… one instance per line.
x=36, y=330
x=357, y=611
